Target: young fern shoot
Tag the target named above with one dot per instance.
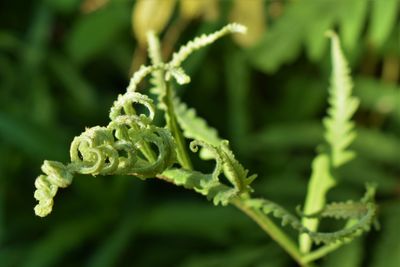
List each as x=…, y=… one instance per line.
x=131, y=144
x=339, y=134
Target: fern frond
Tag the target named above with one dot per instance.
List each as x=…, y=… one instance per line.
x=204, y=40
x=210, y=185
x=202, y=183
x=195, y=127
x=364, y=214
x=338, y=210
x=227, y=164
x=234, y=171
x=340, y=131
x=139, y=75
x=56, y=175
x=120, y=148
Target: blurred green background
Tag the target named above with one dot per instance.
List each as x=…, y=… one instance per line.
x=63, y=62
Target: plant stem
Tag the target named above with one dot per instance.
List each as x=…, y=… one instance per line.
x=166, y=95
x=273, y=231
x=321, y=252
x=179, y=177
x=173, y=126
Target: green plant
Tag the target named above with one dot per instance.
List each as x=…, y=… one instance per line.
x=132, y=144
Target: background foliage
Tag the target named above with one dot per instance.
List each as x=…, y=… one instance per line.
x=62, y=63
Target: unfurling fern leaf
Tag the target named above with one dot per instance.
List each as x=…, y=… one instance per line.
x=124, y=146
x=120, y=148
x=226, y=164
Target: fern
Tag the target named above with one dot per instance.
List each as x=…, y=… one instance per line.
x=195, y=127
x=120, y=148
x=339, y=134
x=132, y=144
x=363, y=211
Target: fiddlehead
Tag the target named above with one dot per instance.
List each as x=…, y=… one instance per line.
x=127, y=145
x=55, y=175
x=123, y=147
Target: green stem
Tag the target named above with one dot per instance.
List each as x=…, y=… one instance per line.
x=273, y=231
x=321, y=252
x=166, y=96
x=173, y=126
x=180, y=177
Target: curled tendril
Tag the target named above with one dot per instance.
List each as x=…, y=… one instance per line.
x=124, y=105
x=171, y=70
x=204, y=40
x=55, y=175
x=126, y=147
x=194, y=146
x=225, y=164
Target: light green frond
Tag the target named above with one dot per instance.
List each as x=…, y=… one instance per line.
x=234, y=171
x=364, y=216
x=139, y=75
x=195, y=127
x=340, y=132
x=120, y=148
x=204, y=40
x=56, y=175
x=227, y=164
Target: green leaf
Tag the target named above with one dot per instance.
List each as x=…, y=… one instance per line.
x=315, y=41
x=382, y=20
x=379, y=96
x=351, y=22
x=97, y=32
x=277, y=46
